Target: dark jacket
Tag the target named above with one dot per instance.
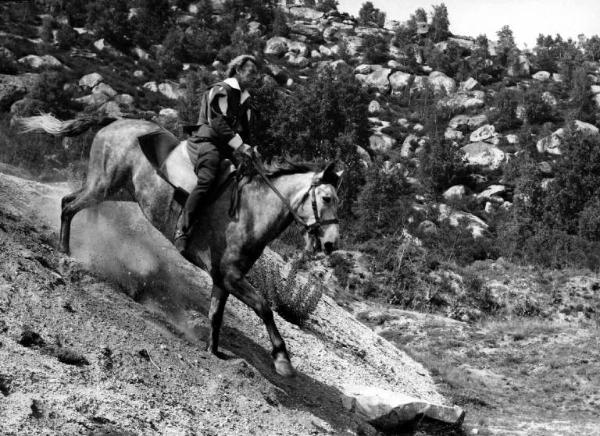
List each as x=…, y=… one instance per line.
x=223, y=120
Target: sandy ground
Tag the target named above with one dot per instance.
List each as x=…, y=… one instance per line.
x=139, y=365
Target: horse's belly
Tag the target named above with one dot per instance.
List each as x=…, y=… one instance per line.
x=178, y=168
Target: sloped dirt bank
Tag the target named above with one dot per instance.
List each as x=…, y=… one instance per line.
x=144, y=370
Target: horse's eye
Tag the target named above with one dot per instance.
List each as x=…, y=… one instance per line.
x=327, y=199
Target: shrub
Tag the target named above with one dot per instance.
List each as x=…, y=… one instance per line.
x=376, y=49
x=109, y=20
x=369, y=15
x=294, y=298
x=506, y=102
x=589, y=220
x=326, y=5
x=537, y=110
x=66, y=36
x=441, y=166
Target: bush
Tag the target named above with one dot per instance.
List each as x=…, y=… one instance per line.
x=506, y=102
x=376, y=49
x=290, y=296
x=442, y=166
x=66, y=37
x=537, y=110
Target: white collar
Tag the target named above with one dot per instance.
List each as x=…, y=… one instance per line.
x=232, y=81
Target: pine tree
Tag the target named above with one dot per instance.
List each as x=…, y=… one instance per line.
x=440, y=24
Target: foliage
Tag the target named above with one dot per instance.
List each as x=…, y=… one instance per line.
x=46, y=30
x=170, y=54
x=280, y=26
x=382, y=205
x=370, y=15
x=327, y=5
x=109, y=20
x=507, y=49
x=591, y=48
x=292, y=296
x=151, y=22
x=66, y=37
x=441, y=166
x=537, y=109
x=440, y=24
x=505, y=102
x=376, y=49
x=581, y=97
x=188, y=106
x=242, y=42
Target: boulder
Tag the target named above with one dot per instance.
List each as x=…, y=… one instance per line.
x=468, y=122
x=169, y=90
x=315, y=54
x=298, y=48
x=111, y=109
x=475, y=225
x=296, y=60
x=409, y=145
x=427, y=228
x=456, y=192
x=366, y=68
x=381, y=142
x=169, y=113
x=313, y=33
x=595, y=89
x=403, y=122
x=124, y=100
x=549, y=99
x=138, y=74
x=542, y=76
x=556, y=77
x=340, y=65
x=484, y=155
x=512, y=139
x=364, y=155
x=103, y=88
x=484, y=133
x=277, y=46
x=94, y=100
x=492, y=192
x=305, y=13
x=374, y=107
x=463, y=101
x=419, y=128
x=37, y=62
x=90, y=80
x=399, y=81
x=325, y=51
x=140, y=53
x=392, y=410
x=470, y=85
x=377, y=80
x=551, y=144
x=151, y=86
x=12, y=89
x=354, y=44
x=442, y=83
x=453, y=135
x=254, y=28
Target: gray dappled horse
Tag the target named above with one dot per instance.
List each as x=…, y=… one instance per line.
x=226, y=247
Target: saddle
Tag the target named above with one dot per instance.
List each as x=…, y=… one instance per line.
x=169, y=156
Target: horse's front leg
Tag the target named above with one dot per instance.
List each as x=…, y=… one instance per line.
x=218, y=299
x=236, y=283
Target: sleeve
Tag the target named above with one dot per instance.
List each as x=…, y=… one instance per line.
x=219, y=120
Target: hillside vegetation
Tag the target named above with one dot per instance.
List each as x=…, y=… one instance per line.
x=472, y=168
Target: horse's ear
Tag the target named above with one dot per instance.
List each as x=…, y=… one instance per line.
x=339, y=174
x=329, y=176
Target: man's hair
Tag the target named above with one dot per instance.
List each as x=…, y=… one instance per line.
x=238, y=63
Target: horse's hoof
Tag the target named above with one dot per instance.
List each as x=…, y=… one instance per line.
x=284, y=367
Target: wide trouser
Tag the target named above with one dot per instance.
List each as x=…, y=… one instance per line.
x=206, y=168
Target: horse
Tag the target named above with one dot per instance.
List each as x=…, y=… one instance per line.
x=225, y=246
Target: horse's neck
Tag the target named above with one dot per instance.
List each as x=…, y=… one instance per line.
x=268, y=213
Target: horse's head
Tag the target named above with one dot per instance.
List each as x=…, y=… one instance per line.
x=319, y=211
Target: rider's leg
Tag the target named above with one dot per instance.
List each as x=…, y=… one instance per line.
x=207, y=166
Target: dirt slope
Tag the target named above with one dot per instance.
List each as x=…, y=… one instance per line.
x=106, y=362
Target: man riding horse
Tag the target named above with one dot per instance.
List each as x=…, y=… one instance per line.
x=223, y=126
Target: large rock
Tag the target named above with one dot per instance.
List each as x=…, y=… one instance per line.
x=470, y=85
x=542, y=76
x=399, y=81
x=456, y=192
x=411, y=142
x=296, y=60
x=551, y=144
x=366, y=68
x=90, y=80
x=484, y=133
x=484, y=155
x=549, y=99
x=454, y=217
x=464, y=101
x=94, y=100
x=442, y=83
x=103, y=88
x=277, y=46
x=381, y=142
x=453, y=135
x=37, y=62
x=377, y=80
x=493, y=192
x=298, y=48
x=170, y=90
x=374, y=107
x=313, y=33
x=468, y=122
x=305, y=13
x=12, y=89
x=325, y=51
x=392, y=410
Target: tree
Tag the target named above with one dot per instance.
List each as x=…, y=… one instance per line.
x=327, y=5
x=581, y=96
x=109, y=20
x=376, y=49
x=151, y=14
x=370, y=15
x=592, y=48
x=507, y=49
x=440, y=24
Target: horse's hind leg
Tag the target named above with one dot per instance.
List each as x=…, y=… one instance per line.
x=218, y=299
x=71, y=204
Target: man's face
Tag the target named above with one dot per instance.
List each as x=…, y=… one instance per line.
x=248, y=76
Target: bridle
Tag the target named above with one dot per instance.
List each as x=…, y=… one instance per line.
x=314, y=229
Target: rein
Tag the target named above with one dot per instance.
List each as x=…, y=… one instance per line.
x=313, y=229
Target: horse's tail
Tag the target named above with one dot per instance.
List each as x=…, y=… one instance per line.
x=52, y=125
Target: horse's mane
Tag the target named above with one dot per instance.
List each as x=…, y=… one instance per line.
x=282, y=166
